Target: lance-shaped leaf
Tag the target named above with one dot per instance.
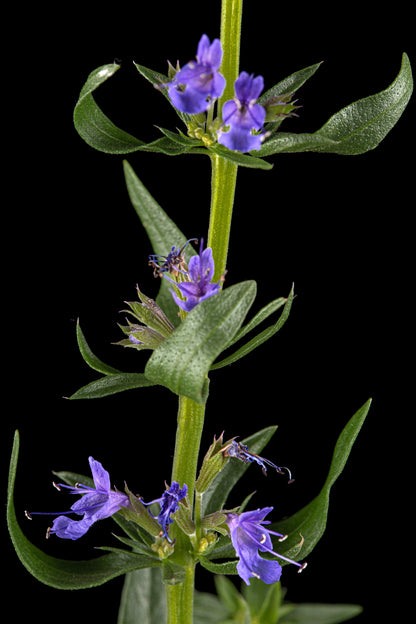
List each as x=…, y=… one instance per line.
x=181, y=363
x=95, y=127
x=290, y=84
x=161, y=230
x=308, y=525
x=356, y=128
x=266, y=334
x=112, y=384
x=90, y=358
x=63, y=573
x=143, y=593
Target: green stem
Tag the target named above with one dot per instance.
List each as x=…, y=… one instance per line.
x=191, y=414
x=185, y=462
x=224, y=172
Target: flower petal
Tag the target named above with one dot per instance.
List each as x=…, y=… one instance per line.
x=100, y=476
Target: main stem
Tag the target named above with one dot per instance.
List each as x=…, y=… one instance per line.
x=191, y=414
x=224, y=172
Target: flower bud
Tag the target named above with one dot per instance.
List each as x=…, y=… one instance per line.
x=214, y=461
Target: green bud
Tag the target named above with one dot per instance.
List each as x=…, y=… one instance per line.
x=279, y=107
x=214, y=461
x=162, y=547
x=138, y=513
x=183, y=517
x=216, y=522
x=154, y=328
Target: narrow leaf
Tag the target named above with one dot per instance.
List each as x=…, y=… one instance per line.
x=181, y=363
x=290, y=84
x=62, y=573
x=258, y=340
x=95, y=127
x=308, y=524
x=316, y=613
x=227, y=567
x=92, y=360
x=111, y=384
x=161, y=230
x=356, y=128
x=244, y=160
x=143, y=593
x=208, y=609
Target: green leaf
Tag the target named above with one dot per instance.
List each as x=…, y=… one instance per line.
x=315, y=613
x=216, y=495
x=290, y=84
x=111, y=384
x=143, y=593
x=161, y=230
x=355, y=129
x=92, y=360
x=207, y=609
x=227, y=567
x=266, y=334
x=91, y=123
x=182, y=361
x=264, y=600
x=244, y=160
x=63, y=573
x=172, y=573
x=308, y=524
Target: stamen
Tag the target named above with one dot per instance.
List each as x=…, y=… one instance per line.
x=263, y=538
x=303, y=566
x=28, y=516
x=282, y=539
x=56, y=485
x=255, y=574
x=48, y=532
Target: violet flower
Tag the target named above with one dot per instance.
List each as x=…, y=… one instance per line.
x=200, y=273
x=169, y=502
x=95, y=504
x=240, y=451
x=248, y=537
x=198, y=83
x=243, y=115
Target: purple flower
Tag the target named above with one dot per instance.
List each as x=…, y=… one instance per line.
x=198, y=83
x=243, y=115
x=200, y=272
x=248, y=536
x=169, y=502
x=240, y=451
x=95, y=504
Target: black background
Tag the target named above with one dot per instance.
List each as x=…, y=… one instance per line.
x=340, y=228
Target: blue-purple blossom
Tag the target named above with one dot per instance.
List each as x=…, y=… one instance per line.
x=248, y=536
x=198, y=83
x=200, y=272
x=169, y=502
x=240, y=451
x=95, y=504
x=243, y=115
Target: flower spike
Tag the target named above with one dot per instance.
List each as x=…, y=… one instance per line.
x=95, y=504
x=240, y=451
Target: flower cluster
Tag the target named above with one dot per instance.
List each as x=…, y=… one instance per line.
x=197, y=85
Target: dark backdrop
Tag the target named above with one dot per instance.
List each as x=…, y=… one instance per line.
x=338, y=227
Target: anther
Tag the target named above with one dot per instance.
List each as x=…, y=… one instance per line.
x=55, y=485
x=255, y=574
x=28, y=516
x=48, y=532
x=263, y=538
x=282, y=539
x=303, y=566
